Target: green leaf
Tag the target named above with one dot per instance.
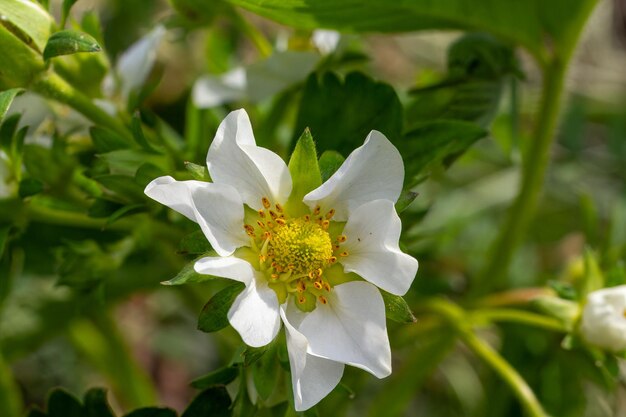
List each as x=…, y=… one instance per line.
x=405, y=200
x=214, y=402
x=29, y=187
x=126, y=211
x=305, y=173
x=538, y=26
x=6, y=98
x=103, y=208
x=105, y=140
x=252, y=354
x=195, y=243
x=67, y=6
x=7, y=131
x=397, y=309
x=198, y=172
x=96, y=404
x=187, y=275
x=329, y=163
x=67, y=42
x=33, y=23
x=437, y=142
x=63, y=404
x=214, y=314
x=342, y=114
x=222, y=376
x=146, y=173
x=122, y=188
x=4, y=237
x=137, y=131
x=152, y=412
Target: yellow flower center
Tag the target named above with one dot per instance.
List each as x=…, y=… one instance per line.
x=295, y=254
x=300, y=246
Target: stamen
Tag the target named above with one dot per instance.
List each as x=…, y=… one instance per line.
x=330, y=214
x=249, y=230
x=266, y=202
x=281, y=222
x=274, y=277
x=332, y=259
x=325, y=224
x=261, y=224
x=322, y=299
x=342, y=238
x=344, y=254
x=318, y=285
x=301, y=287
x=301, y=299
x=326, y=286
x=261, y=214
x=317, y=210
x=307, y=218
x=267, y=235
x=279, y=208
x=273, y=214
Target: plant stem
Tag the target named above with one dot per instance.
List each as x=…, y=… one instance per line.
x=10, y=398
x=257, y=38
x=518, y=316
x=524, y=393
x=52, y=86
x=534, y=168
x=456, y=316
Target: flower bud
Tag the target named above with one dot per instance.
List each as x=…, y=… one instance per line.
x=604, y=319
x=24, y=30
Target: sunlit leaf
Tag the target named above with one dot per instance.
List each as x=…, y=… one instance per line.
x=67, y=42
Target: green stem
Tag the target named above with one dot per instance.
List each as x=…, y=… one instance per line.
x=257, y=38
x=520, y=388
x=533, y=172
x=456, y=316
x=52, y=86
x=517, y=316
x=10, y=398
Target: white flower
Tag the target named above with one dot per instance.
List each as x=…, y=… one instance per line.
x=302, y=266
x=604, y=318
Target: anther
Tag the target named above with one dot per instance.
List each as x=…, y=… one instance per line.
x=317, y=210
x=301, y=300
x=282, y=222
x=330, y=214
x=273, y=214
x=261, y=224
x=311, y=275
x=342, y=238
x=267, y=235
x=301, y=287
x=270, y=225
x=327, y=286
x=332, y=259
x=262, y=214
x=322, y=299
x=319, y=272
x=318, y=285
x=307, y=218
x=279, y=208
x=249, y=230
x=344, y=254
x=325, y=224
x=274, y=276
x=266, y=202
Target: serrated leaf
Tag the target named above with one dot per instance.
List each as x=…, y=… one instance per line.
x=29, y=187
x=265, y=373
x=214, y=314
x=188, y=275
x=195, y=243
x=67, y=42
x=214, y=402
x=152, y=412
x=329, y=163
x=397, y=309
x=305, y=173
x=198, y=172
x=222, y=376
x=105, y=140
x=341, y=114
x=63, y=404
x=6, y=98
x=96, y=404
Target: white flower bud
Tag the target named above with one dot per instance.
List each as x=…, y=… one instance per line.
x=604, y=318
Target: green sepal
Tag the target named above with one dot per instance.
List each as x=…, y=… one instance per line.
x=198, y=172
x=67, y=42
x=187, y=275
x=214, y=402
x=305, y=174
x=63, y=404
x=329, y=163
x=214, y=314
x=397, y=309
x=265, y=372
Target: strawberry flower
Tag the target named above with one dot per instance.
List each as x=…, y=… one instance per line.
x=310, y=260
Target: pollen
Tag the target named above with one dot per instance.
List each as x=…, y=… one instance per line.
x=300, y=246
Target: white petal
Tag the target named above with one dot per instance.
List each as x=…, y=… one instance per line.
x=312, y=378
x=254, y=314
x=226, y=267
x=213, y=90
x=371, y=172
x=255, y=172
x=373, y=231
x=325, y=40
x=603, y=323
x=351, y=328
x=217, y=208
